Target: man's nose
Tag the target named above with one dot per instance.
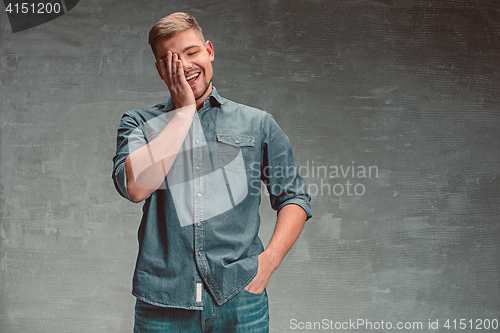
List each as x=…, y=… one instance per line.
x=186, y=64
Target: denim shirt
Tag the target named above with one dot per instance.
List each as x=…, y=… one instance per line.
x=201, y=226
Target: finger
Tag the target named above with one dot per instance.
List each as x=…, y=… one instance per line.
x=175, y=69
x=180, y=70
x=169, y=65
x=163, y=69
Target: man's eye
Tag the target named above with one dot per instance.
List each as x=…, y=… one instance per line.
x=192, y=53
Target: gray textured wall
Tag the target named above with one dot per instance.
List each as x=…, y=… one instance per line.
x=409, y=87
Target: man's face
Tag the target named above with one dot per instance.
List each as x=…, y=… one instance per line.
x=196, y=57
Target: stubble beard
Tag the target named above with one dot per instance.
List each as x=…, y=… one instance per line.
x=206, y=85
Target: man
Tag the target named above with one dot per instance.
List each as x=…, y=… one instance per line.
x=198, y=162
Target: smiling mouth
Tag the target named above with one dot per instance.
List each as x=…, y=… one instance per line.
x=192, y=77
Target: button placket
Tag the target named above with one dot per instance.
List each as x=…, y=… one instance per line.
x=197, y=174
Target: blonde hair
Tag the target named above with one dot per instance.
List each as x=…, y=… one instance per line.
x=170, y=26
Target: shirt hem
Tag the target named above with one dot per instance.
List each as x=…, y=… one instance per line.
x=145, y=300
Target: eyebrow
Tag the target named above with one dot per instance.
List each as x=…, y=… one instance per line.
x=189, y=47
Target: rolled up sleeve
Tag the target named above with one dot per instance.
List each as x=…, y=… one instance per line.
x=129, y=138
x=280, y=171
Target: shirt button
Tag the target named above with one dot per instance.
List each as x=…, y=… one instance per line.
x=198, y=195
x=237, y=141
x=198, y=224
x=197, y=168
x=196, y=141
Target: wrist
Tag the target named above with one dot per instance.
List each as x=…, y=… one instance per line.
x=186, y=111
x=272, y=258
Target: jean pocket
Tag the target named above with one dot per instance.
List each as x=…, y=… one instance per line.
x=254, y=294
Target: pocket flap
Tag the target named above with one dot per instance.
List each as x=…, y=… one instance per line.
x=236, y=140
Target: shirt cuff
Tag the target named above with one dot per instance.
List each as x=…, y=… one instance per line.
x=120, y=180
x=302, y=200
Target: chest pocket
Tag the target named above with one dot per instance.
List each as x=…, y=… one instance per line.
x=236, y=152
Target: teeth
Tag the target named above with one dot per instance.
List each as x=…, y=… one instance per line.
x=192, y=76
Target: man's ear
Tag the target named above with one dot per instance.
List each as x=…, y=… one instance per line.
x=210, y=50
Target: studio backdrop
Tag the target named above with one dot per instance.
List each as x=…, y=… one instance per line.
x=392, y=108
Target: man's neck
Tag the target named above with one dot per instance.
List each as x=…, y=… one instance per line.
x=201, y=100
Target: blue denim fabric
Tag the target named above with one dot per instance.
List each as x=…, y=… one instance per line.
x=244, y=313
x=201, y=226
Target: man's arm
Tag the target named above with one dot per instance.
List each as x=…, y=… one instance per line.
x=289, y=224
x=147, y=167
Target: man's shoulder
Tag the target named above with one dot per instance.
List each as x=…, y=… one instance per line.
x=240, y=118
x=232, y=108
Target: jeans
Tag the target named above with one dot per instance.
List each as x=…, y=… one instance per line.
x=244, y=313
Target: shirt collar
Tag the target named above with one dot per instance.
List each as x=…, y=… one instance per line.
x=214, y=95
